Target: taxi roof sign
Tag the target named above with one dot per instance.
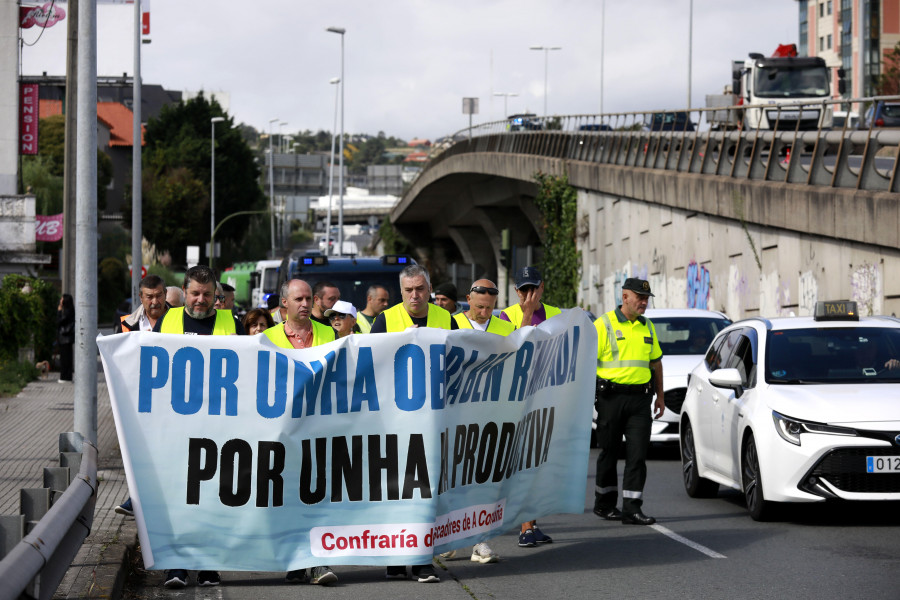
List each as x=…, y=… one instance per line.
x=836, y=310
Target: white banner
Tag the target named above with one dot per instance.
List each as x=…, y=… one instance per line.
x=373, y=449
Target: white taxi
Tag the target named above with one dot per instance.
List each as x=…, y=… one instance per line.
x=799, y=409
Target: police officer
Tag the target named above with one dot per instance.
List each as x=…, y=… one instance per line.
x=627, y=353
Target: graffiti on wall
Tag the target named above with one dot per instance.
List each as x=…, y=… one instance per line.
x=865, y=289
x=697, y=286
x=808, y=288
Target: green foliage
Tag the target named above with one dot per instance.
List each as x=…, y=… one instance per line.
x=392, y=240
x=176, y=193
x=39, y=179
x=27, y=319
x=167, y=274
x=561, y=262
x=301, y=236
x=889, y=79
x=113, y=286
x=15, y=375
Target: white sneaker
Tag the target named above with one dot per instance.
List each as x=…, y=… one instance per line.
x=482, y=553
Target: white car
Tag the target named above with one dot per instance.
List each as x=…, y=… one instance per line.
x=684, y=335
x=799, y=409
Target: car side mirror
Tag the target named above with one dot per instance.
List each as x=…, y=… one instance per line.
x=728, y=379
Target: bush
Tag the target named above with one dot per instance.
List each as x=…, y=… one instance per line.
x=15, y=375
x=27, y=319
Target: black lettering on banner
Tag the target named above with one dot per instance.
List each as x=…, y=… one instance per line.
x=237, y=460
x=504, y=450
x=346, y=469
x=200, y=470
x=469, y=459
x=307, y=494
x=459, y=448
x=387, y=463
x=486, y=449
x=549, y=434
x=444, y=484
x=416, y=475
x=269, y=466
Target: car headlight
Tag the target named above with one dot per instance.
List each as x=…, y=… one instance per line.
x=790, y=429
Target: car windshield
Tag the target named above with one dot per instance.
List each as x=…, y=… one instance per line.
x=787, y=82
x=687, y=335
x=833, y=355
x=891, y=110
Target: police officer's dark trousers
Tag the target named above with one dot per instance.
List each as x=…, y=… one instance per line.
x=617, y=414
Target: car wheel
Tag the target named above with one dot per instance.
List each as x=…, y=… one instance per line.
x=751, y=477
x=694, y=485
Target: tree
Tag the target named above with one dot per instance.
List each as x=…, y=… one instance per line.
x=561, y=262
x=177, y=178
x=889, y=80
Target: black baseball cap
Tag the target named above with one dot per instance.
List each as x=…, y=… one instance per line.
x=638, y=286
x=446, y=289
x=528, y=276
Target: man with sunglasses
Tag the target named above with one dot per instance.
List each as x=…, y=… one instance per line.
x=482, y=298
x=527, y=312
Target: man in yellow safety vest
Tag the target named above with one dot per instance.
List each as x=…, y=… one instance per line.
x=628, y=354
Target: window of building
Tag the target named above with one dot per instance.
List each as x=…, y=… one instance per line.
x=821, y=9
x=828, y=7
x=828, y=42
x=821, y=44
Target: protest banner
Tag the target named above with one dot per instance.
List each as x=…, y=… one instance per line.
x=372, y=450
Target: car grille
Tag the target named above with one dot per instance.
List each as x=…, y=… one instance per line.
x=674, y=399
x=845, y=469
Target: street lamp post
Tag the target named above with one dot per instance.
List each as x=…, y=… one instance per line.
x=506, y=96
x=212, y=187
x=340, y=31
x=272, y=188
x=546, y=50
x=334, y=81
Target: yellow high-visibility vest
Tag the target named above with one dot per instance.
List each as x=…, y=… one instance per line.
x=515, y=312
x=495, y=325
x=322, y=334
x=397, y=319
x=625, y=349
x=364, y=325
x=173, y=322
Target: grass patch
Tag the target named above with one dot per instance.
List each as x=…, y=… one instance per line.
x=15, y=375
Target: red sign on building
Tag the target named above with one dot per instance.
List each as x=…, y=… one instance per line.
x=28, y=118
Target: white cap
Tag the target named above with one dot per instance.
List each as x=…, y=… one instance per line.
x=343, y=307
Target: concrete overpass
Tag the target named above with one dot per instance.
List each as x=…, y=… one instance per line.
x=767, y=233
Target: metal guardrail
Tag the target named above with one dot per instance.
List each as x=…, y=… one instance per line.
x=840, y=158
x=56, y=523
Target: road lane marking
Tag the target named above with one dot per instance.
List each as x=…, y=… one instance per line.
x=680, y=538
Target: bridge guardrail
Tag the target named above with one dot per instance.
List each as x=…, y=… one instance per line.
x=843, y=158
x=56, y=523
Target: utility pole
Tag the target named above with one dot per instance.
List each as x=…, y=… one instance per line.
x=67, y=256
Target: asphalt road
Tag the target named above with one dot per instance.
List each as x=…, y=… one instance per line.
x=698, y=549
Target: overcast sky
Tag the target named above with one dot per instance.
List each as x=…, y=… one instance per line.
x=409, y=63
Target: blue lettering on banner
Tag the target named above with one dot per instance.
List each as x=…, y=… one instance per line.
x=148, y=381
x=187, y=366
x=521, y=366
x=409, y=398
x=365, y=388
x=223, y=374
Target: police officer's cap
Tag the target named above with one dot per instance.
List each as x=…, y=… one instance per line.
x=638, y=286
x=528, y=276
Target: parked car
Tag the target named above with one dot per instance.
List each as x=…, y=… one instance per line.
x=798, y=409
x=684, y=335
x=669, y=121
x=882, y=114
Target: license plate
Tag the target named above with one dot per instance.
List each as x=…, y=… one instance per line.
x=883, y=464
